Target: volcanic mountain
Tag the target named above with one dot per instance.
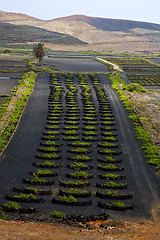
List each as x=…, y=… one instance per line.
x=102, y=33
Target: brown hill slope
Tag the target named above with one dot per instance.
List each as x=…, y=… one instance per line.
x=100, y=31
x=19, y=19
x=23, y=28
x=68, y=27
x=107, y=24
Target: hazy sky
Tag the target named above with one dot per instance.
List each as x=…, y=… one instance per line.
x=139, y=10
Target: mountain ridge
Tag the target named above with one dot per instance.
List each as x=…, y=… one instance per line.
x=109, y=24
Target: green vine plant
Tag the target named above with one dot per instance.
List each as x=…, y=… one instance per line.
x=57, y=214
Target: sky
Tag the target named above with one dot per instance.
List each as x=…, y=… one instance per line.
x=138, y=10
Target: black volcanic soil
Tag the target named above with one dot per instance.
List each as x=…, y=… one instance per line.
x=20, y=154
x=77, y=64
x=7, y=84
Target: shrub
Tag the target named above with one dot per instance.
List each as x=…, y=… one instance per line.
x=57, y=214
x=7, y=51
x=109, y=166
x=70, y=132
x=13, y=205
x=41, y=172
x=79, y=150
x=90, y=128
x=134, y=117
x=134, y=87
x=80, y=144
x=49, y=156
x=76, y=191
x=80, y=174
x=49, y=143
x=38, y=180
x=141, y=134
x=68, y=199
x=3, y=216
x=81, y=158
x=48, y=149
x=111, y=185
x=48, y=163
x=79, y=165
x=25, y=196
x=70, y=138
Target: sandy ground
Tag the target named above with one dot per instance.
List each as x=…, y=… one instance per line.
x=112, y=230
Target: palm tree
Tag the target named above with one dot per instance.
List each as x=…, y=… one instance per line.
x=38, y=51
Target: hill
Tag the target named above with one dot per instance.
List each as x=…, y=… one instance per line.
x=103, y=31
x=23, y=33
x=111, y=35
x=107, y=24
x=19, y=19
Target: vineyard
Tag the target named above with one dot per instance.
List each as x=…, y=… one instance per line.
x=81, y=160
x=141, y=71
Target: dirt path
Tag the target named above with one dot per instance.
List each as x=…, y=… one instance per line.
x=115, y=67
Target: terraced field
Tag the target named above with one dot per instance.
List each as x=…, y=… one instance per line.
x=10, y=73
x=75, y=151
x=142, y=71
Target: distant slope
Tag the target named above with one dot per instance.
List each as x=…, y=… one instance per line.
x=85, y=22
x=70, y=27
x=80, y=29
x=107, y=24
x=19, y=19
x=12, y=34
